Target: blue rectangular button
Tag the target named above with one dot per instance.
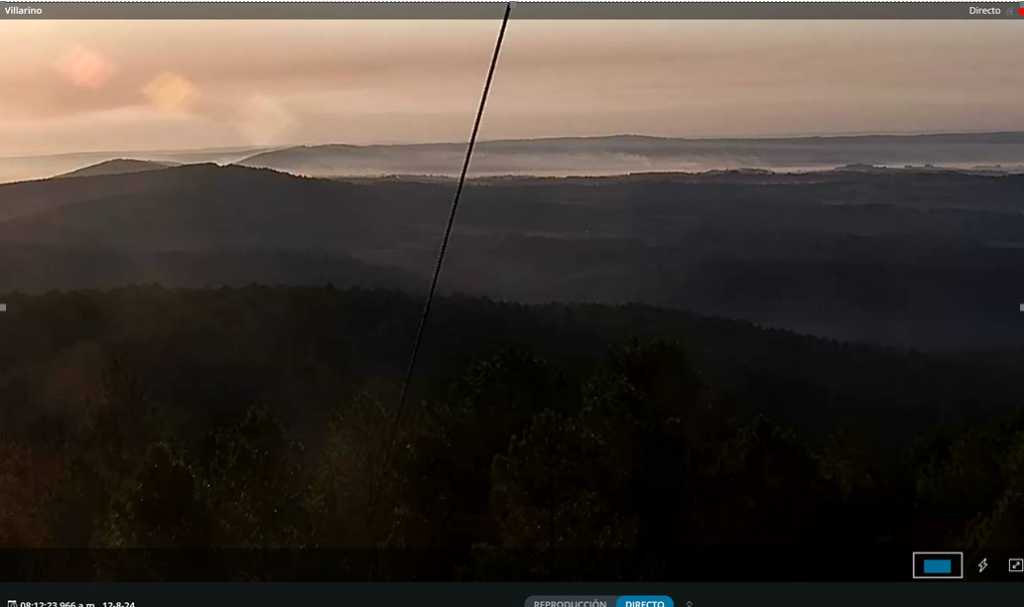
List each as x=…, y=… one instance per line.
x=644, y=601
x=938, y=567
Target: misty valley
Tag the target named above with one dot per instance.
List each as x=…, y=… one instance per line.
x=916, y=257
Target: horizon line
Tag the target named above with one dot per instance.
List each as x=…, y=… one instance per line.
x=263, y=149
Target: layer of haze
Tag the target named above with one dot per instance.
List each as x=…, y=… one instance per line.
x=134, y=85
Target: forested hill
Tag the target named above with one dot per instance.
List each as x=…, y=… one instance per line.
x=920, y=258
x=257, y=417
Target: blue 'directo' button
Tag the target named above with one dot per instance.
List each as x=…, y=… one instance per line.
x=644, y=601
x=937, y=566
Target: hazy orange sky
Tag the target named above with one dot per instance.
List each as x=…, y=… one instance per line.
x=131, y=85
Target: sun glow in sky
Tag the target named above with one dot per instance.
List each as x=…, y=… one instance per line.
x=92, y=85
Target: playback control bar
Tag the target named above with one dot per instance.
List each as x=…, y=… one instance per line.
x=508, y=595
x=833, y=563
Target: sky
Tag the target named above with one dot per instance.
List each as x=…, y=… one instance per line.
x=150, y=85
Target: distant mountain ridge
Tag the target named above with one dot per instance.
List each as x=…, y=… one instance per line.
x=1012, y=137
x=618, y=154
x=32, y=167
x=118, y=166
x=575, y=156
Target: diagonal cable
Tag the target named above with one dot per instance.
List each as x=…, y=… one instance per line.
x=425, y=316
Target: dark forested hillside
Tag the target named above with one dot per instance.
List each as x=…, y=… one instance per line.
x=174, y=374
x=909, y=257
x=257, y=418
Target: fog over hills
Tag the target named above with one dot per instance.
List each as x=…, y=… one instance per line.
x=925, y=258
x=633, y=153
x=569, y=156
